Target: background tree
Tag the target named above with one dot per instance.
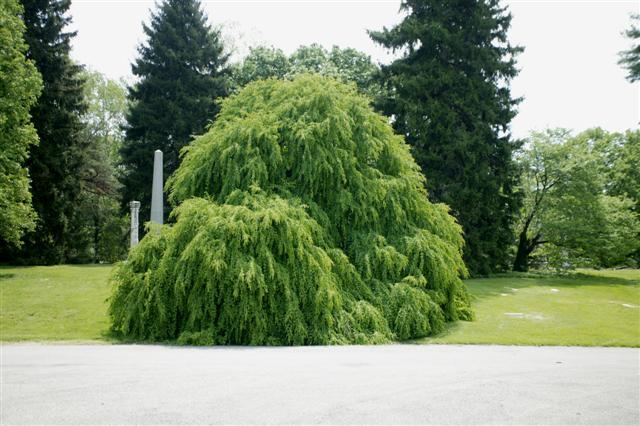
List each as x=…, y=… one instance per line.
x=55, y=163
x=261, y=63
x=181, y=71
x=20, y=85
x=630, y=59
x=621, y=156
x=542, y=169
x=450, y=97
x=571, y=217
x=100, y=232
x=623, y=169
x=349, y=65
x=303, y=219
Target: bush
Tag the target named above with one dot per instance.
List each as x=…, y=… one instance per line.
x=301, y=219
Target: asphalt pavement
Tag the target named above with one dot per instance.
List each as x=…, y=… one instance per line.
x=395, y=384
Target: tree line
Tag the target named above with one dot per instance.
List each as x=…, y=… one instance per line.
x=76, y=147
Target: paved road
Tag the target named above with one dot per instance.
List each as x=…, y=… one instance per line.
x=84, y=384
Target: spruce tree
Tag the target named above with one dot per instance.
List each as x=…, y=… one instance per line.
x=630, y=59
x=181, y=71
x=302, y=219
x=55, y=162
x=451, y=100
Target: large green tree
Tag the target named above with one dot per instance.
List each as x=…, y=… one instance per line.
x=20, y=85
x=450, y=98
x=181, y=71
x=55, y=163
x=576, y=210
x=302, y=219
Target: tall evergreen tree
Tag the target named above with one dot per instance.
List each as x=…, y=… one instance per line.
x=630, y=59
x=55, y=162
x=182, y=69
x=450, y=97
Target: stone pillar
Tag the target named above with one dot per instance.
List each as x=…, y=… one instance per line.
x=135, y=209
x=156, y=189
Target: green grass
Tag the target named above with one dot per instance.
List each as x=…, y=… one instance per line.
x=67, y=303
x=55, y=303
x=586, y=308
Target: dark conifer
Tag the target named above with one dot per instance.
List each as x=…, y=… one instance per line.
x=55, y=162
x=451, y=99
x=182, y=70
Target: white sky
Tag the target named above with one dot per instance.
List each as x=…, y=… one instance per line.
x=569, y=74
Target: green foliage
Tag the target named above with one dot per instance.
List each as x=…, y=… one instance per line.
x=449, y=94
x=20, y=85
x=348, y=65
x=575, y=213
x=55, y=163
x=100, y=234
x=623, y=166
x=261, y=63
x=630, y=59
x=302, y=219
x=181, y=70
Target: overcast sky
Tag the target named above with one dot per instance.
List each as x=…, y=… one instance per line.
x=569, y=74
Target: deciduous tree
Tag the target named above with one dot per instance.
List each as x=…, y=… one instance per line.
x=20, y=85
x=571, y=216
x=99, y=229
x=349, y=65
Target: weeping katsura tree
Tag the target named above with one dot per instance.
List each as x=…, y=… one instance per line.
x=301, y=218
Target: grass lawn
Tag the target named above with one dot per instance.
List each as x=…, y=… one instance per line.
x=591, y=308
x=65, y=302
x=586, y=308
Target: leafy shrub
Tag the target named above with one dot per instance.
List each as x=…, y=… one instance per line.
x=301, y=219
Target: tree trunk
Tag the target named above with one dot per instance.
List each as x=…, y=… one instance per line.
x=521, y=262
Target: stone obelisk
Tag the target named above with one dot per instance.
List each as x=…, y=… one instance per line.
x=156, y=189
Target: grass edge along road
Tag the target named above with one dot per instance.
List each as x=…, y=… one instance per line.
x=67, y=303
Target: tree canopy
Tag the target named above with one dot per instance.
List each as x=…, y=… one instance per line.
x=576, y=210
x=181, y=70
x=302, y=219
x=20, y=85
x=449, y=95
x=348, y=64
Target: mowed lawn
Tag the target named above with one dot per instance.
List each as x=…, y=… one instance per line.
x=586, y=308
x=591, y=308
x=65, y=302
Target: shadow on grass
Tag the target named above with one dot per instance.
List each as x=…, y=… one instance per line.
x=6, y=276
x=576, y=278
x=498, y=284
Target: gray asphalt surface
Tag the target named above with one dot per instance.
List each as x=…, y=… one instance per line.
x=399, y=384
